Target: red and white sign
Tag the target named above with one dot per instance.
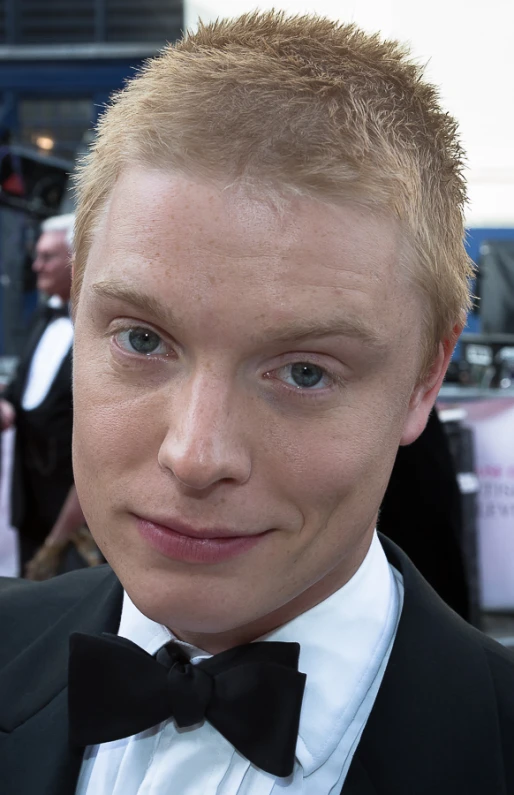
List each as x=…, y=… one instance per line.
x=492, y=422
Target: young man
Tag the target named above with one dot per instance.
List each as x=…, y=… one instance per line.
x=269, y=281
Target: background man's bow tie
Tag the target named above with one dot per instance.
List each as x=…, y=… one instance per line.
x=251, y=694
x=54, y=312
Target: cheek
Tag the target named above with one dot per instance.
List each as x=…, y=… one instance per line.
x=112, y=426
x=113, y=435
x=342, y=462
x=55, y=272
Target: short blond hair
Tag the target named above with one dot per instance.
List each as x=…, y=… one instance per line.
x=305, y=104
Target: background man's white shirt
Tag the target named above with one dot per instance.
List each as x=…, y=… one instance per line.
x=48, y=356
x=346, y=641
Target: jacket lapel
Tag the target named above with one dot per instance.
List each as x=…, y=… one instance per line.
x=433, y=727
x=35, y=755
x=358, y=781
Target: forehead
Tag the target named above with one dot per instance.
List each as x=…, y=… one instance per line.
x=52, y=240
x=166, y=234
x=150, y=207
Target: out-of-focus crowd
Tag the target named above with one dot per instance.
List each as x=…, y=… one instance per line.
x=39, y=497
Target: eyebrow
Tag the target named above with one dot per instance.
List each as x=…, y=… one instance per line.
x=338, y=327
x=118, y=291
x=295, y=332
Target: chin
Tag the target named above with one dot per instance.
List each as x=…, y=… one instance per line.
x=188, y=610
x=184, y=619
x=186, y=598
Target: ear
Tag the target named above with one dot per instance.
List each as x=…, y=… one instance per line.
x=426, y=391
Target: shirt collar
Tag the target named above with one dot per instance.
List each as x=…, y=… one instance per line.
x=343, y=642
x=55, y=301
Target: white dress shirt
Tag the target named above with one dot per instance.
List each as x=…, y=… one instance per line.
x=51, y=349
x=345, y=642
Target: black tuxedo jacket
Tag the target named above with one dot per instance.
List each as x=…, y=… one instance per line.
x=42, y=469
x=442, y=724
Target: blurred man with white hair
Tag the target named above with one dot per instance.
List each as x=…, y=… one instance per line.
x=38, y=402
x=53, y=253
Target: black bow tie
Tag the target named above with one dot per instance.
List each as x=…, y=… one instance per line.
x=251, y=694
x=54, y=312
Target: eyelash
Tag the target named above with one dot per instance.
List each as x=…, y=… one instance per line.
x=299, y=393
x=304, y=393
x=126, y=330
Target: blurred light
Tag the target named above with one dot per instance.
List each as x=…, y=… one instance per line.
x=45, y=142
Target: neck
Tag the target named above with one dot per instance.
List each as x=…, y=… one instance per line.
x=214, y=643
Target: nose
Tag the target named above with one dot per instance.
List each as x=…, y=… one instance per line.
x=204, y=443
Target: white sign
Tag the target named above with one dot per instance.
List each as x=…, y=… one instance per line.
x=492, y=422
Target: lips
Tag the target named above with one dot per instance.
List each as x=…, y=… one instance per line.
x=181, y=542
x=177, y=526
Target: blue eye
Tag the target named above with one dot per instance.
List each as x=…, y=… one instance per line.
x=141, y=340
x=305, y=375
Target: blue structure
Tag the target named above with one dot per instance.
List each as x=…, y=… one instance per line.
x=91, y=79
x=56, y=100
x=75, y=50
x=59, y=63
x=60, y=60
x=475, y=238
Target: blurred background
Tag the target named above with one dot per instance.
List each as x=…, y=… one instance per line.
x=60, y=60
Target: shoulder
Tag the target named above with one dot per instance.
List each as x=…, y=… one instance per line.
x=499, y=659
x=18, y=595
x=501, y=665
x=485, y=669
x=435, y=644
x=29, y=608
x=75, y=582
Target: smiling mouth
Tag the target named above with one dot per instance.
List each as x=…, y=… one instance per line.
x=181, y=542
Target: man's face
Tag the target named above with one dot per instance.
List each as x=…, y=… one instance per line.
x=241, y=371
x=52, y=264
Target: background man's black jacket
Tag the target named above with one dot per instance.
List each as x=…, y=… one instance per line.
x=442, y=724
x=42, y=468
x=421, y=512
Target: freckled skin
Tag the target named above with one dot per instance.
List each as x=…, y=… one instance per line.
x=214, y=433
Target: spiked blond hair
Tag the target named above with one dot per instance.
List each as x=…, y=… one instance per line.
x=304, y=104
